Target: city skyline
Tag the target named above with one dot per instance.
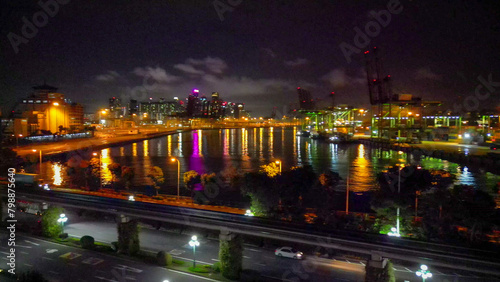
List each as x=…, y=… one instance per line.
x=250, y=52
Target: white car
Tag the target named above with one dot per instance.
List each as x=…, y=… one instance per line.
x=289, y=252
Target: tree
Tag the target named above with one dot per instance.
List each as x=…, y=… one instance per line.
x=232, y=176
x=156, y=175
x=93, y=173
x=50, y=227
x=77, y=171
x=271, y=169
x=292, y=186
x=191, y=178
x=475, y=209
x=386, y=200
x=128, y=174
x=262, y=191
x=329, y=179
x=116, y=173
x=31, y=276
x=207, y=178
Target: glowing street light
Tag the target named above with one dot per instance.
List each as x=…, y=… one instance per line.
x=194, y=243
x=17, y=139
x=131, y=198
x=394, y=232
x=62, y=219
x=178, y=175
x=278, y=162
x=40, y=169
x=55, y=104
x=424, y=272
x=399, y=191
x=249, y=213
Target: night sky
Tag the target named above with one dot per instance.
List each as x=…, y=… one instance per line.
x=255, y=52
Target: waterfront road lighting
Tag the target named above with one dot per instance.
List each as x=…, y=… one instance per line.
x=278, y=162
x=194, y=243
x=55, y=104
x=424, y=272
x=17, y=139
x=399, y=191
x=40, y=169
x=249, y=213
x=62, y=219
x=131, y=198
x=178, y=175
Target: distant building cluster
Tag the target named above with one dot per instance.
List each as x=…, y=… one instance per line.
x=196, y=105
x=45, y=112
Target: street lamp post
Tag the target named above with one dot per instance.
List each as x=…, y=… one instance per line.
x=100, y=169
x=178, y=176
x=278, y=162
x=194, y=243
x=424, y=272
x=62, y=219
x=399, y=191
x=40, y=167
x=17, y=140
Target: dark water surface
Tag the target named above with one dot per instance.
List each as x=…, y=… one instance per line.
x=247, y=149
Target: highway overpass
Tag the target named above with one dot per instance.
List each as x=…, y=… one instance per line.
x=438, y=255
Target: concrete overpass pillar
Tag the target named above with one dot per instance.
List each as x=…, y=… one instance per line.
x=123, y=218
x=128, y=235
x=379, y=269
x=230, y=254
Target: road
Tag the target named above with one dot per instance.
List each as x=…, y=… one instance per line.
x=454, y=147
x=412, y=252
x=40, y=254
x=83, y=265
x=77, y=144
x=256, y=258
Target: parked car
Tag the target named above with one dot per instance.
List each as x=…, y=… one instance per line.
x=288, y=252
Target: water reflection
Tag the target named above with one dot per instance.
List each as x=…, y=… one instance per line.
x=57, y=177
x=106, y=176
x=247, y=149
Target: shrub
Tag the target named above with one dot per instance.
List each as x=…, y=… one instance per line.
x=114, y=246
x=199, y=269
x=87, y=242
x=178, y=261
x=50, y=227
x=161, y=258
x=164, y=259
x=169, y=259
x=216, y=267
x=63, y=235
